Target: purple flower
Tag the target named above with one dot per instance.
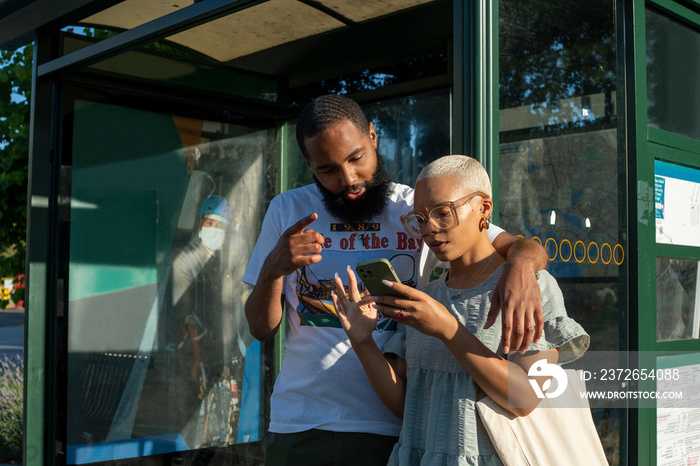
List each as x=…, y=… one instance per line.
x=11, y=405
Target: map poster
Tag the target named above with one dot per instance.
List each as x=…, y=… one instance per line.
x=677, y=204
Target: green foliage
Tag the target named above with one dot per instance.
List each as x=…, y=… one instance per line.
x=552, y=51
x=15, y=90
x=99, y=33
x=11, y=406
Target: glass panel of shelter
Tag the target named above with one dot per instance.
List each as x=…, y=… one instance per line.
x=677, y=299
x=559, y=160
x=673, y=75
x=163, y=221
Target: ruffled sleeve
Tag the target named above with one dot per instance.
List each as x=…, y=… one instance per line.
x=560, y=330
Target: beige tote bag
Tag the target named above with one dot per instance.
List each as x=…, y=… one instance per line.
x=548, y=435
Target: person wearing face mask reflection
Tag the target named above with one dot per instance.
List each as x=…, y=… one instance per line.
x=197, y=294
x=212, y=232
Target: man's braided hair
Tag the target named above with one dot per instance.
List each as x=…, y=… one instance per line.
x=327, y=111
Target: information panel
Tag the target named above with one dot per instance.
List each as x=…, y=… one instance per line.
x=677, y=200
x=678, y=419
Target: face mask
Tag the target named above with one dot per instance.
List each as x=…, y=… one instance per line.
x=212, y=238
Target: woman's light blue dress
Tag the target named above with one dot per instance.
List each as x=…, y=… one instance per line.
x=441, y=426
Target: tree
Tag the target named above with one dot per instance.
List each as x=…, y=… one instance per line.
x=15, y=90
x=551, y=52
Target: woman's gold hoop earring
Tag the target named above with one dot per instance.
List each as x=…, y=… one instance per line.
x=484, y=224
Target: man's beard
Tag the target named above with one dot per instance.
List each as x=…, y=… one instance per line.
x=371, y=204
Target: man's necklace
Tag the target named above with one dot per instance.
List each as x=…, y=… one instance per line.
x=476, y=277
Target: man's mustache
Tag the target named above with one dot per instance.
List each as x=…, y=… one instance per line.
x=353, y=188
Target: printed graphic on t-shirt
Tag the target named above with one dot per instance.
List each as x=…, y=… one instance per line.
x=315, y=303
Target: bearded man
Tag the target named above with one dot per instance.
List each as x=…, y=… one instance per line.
x=323, y=408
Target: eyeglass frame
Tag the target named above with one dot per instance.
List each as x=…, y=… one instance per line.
x=453, y=205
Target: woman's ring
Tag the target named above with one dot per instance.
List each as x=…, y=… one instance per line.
x=400, y=315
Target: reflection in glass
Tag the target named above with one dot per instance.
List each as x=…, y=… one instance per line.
x=592, y=305
x=559, y=181
x=411, y=132
x=677, y=299
x=558, y=159
x=673, y=75
x=557, y=65
x=564, y=191
x=164, y=214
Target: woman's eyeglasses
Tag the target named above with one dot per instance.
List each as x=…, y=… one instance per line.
x=443, y=216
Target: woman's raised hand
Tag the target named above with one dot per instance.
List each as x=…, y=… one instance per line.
x=357, y=313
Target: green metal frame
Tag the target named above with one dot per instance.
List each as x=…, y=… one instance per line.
x=485, y=124
x=40, y=323
x=475, y=101
x=654, y=144
x=461, y=94
x=282, y=185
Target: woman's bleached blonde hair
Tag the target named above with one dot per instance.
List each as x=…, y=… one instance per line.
x=471, y=174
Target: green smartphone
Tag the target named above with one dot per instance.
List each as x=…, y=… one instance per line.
x=372, y=273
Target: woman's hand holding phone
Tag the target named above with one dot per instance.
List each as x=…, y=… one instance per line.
x=394, y=300
x=418, y=310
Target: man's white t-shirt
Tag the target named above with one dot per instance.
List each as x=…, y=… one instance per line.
x=322, y=384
